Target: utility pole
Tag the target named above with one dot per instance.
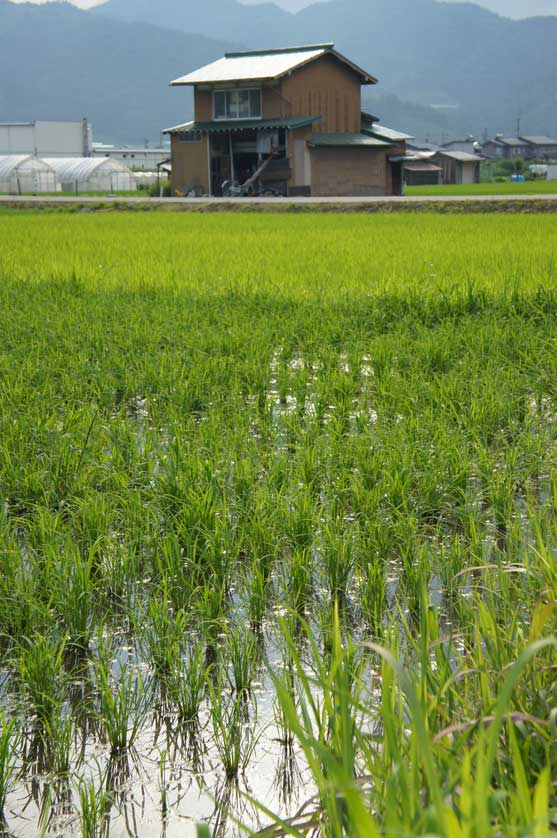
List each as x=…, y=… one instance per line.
x=518, y=121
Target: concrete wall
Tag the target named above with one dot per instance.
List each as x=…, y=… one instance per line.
x=348, y=172
x=190, y=166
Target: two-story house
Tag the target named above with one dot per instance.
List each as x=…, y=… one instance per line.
x=284, y=121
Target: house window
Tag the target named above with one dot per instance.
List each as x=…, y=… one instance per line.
x=237, y=104
x=190, y=137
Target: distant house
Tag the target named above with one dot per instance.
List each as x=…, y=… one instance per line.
x=470, y=146
x=506, y=148
x=541, y=148
x=458, y=167
x=417, y=146
x=286, y=121
x=521, y=148
x=422, y=172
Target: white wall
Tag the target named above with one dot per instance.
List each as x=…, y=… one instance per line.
x=62, y=139
x=46, y=139
x=468, y=173
x=17, y=139
x=145, y=159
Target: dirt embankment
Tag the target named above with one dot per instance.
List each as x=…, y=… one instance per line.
x=454, y=205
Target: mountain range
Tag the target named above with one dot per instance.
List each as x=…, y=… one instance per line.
x=444, y=68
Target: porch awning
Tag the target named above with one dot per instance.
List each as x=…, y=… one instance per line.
x=347, y=140
x=422, y=167
x=219, y=125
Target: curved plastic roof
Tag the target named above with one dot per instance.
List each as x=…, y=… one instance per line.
x=9, y=163
x=82, y=168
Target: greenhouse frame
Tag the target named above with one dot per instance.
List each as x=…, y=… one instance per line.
x=22, y=173
x=92, y=174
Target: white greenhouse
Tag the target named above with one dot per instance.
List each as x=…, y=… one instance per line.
x=21, y=173
x=92, y=174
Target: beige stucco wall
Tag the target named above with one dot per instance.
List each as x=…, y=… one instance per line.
x=190, y=166
x=348, y=171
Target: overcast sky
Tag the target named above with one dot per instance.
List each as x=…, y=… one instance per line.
x=512, y=8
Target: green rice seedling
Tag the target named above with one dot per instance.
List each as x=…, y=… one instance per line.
x=169, y=566
x=19, y=608
x=8, y=760
x=297, y=572
x=323, y=722
x=371, y=582
x=299, y=516
x=234, y=738
x=123, y=703
x=337, y=550
x=74, y=598
x=162, y=636
x=41, y=675
x=242, y=652
x=188, y=684
x=256, y=593
x=94, y=807
x=211, y=604
x=51, y=748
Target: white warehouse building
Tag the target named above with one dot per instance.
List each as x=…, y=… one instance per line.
x=92, y=174
x=136, y=157
x=21, y=173
x=47, y=139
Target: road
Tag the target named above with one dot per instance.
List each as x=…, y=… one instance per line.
x=541, y=202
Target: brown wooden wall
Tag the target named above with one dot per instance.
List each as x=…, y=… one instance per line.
x=349, y=171
x=203, y=105
x=324, y=87
x=328, y=89
x=190, y=166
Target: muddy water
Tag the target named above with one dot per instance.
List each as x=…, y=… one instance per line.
x=172, y=773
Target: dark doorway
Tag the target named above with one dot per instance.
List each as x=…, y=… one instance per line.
x=396, y=178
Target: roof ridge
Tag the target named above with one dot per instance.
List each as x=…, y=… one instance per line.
x=278, y=50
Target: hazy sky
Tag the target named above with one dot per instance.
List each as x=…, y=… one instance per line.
x=512, y=8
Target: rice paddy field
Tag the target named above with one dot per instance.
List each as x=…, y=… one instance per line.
x=278, y=525
x=532, y=187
